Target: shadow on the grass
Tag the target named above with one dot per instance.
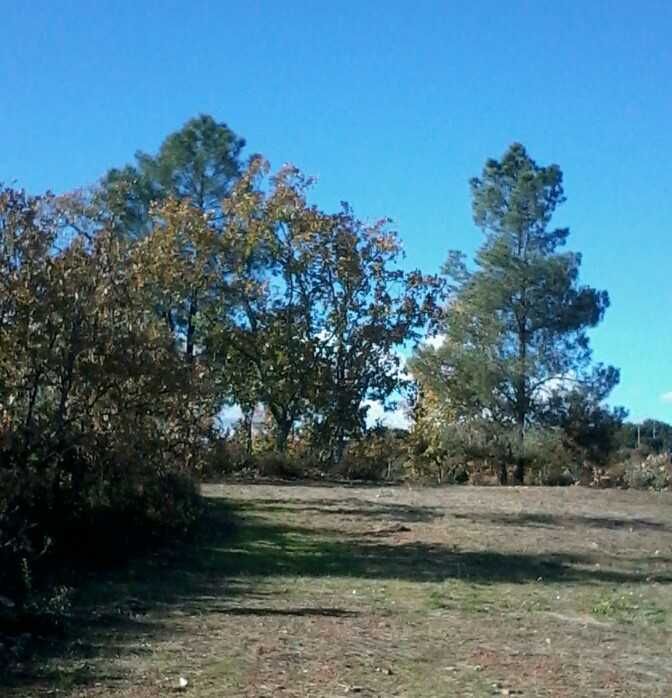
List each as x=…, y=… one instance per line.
x=262, y=611
x=372, y=510
x=545, y=520
x=262, y=549
x=228, y=564
x=350, y=506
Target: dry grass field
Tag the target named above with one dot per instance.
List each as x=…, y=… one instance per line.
x=316, y=590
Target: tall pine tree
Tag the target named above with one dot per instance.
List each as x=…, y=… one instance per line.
x=199, y=164
x=515, y=329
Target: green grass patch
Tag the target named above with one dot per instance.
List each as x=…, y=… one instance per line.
x=627, y=607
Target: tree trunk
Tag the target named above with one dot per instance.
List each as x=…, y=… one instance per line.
x=522, y=396
x=519, y=467
x=502, y=474
x=339, y=447
x=283, y=427
x=191, y=326
x=248, y=418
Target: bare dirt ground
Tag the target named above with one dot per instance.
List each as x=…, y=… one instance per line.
x=385, y=591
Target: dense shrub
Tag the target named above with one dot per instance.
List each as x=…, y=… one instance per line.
x=278, y=465
x=654, y=472
x=549, y=460
x=102, y=419
x=225, y=457
x=553, y=476
x=379, y=453
x=437, y=447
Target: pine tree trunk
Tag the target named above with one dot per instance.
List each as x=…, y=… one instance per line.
x=191, y=326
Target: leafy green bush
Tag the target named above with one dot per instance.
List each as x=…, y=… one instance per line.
x=226, y=456
x=278, y=465
x=553, y=476
x=380, y=453
x=550, y=462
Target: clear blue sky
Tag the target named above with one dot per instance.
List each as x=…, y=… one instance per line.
x=393, y=105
